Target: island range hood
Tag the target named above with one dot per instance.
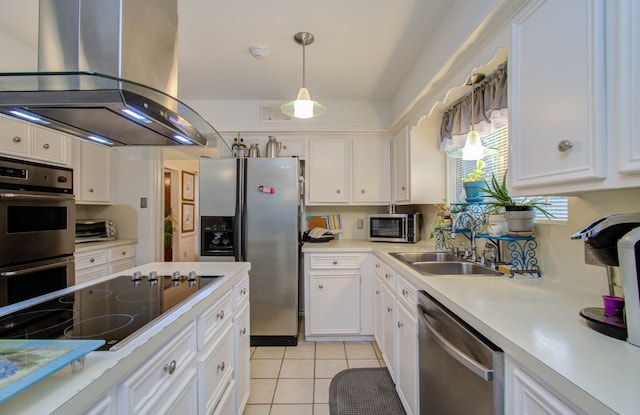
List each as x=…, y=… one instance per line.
x=107, y=72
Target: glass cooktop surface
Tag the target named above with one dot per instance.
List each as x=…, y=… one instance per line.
x=112, y=310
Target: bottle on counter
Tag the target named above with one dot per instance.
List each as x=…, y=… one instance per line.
x=242, y=148
x=234, y=147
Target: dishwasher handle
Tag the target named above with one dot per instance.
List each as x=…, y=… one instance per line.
x=477, y=368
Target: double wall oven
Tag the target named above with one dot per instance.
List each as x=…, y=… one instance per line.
x=37, y=229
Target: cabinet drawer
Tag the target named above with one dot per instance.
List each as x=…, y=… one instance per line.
x=241, y=293
x=212, y=320
x=91, y=259
x=215, y=370
x=91, y=273
x=407, y=293
x=335, y=262
x=50, y=146
x=122, y=252
x=157, y=377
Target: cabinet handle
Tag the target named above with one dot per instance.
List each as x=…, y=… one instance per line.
x=124, y=252
x=362, y=191
x=338, y=191
x=377, y=292
x=377, y=266
x=335, y=262
x=400, y=325
x=284, y=147
x=45, y=146
x=243, y=331
x=565, y=145
x=404, y=292
x=243, y=291
x=403, y=188
x=220, y=315
x=17, y=139
x=92, y=260
x=389, y=309
x=321, y=286
x=91, y=190
x=170, y=367
x=221, y=367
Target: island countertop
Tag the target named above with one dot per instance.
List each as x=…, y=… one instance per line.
x=51, y=393
x=534, y=320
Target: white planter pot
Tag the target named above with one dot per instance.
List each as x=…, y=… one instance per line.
x=520, y=220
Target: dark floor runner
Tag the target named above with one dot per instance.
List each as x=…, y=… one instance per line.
x=365, y=391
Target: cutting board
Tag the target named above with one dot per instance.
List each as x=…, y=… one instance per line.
x=317, y=222
x=25, y=362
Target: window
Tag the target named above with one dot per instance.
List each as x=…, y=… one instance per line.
x=498, y=164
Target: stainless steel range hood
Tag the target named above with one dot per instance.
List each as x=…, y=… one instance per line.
x=107, y=73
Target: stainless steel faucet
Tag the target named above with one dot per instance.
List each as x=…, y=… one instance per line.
x=455, y=223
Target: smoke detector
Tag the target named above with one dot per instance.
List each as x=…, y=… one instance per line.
x=258, y=52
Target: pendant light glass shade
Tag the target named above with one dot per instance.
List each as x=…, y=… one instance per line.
x=473, y=148
x=303, y=107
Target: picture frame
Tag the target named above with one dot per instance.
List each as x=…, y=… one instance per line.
x=188, y=181
x=188, y=217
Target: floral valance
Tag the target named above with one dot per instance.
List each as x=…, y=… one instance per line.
x=490, y=102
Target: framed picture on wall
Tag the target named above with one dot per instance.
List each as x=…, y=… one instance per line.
x=187, y=217
x=187, y=185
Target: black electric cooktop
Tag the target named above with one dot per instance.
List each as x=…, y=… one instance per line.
x=112, y=310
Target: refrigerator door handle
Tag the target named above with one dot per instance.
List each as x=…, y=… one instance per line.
x=238, y=226
x=243, y=213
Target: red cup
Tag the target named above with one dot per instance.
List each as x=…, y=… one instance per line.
x=613, y=305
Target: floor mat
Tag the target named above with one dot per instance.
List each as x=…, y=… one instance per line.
x=364, y=391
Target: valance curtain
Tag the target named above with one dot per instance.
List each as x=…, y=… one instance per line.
x=490, y=102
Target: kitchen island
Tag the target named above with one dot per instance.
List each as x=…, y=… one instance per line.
x=167, y=365
x=535, y=321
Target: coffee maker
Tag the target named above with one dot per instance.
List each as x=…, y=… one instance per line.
x=614, y=242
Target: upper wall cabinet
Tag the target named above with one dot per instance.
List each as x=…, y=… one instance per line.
x=341, y=170
x=573, y=129
x=91, y=173
x=19, y=139
x=557, y=96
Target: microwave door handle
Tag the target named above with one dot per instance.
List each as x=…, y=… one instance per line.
x=35, y=269
x=405, y=225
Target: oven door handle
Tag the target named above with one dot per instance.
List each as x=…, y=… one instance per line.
x=34, y=196
x=35, y=269
x=477, y=368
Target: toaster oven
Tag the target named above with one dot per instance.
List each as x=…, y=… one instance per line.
x=95, y=230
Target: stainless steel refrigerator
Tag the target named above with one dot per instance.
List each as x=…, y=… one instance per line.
x=250, y=212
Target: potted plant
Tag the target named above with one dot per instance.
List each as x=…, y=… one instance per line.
x=520, y=213
x=473, y=182
x=169, y=223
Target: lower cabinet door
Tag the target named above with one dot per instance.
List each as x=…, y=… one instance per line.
x=407, y=350
x=215, y=369
x=183, y=399
x=335, y=304
x=243, y=355
x=389, y=318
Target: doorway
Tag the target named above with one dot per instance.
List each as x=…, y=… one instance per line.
x=170, y=186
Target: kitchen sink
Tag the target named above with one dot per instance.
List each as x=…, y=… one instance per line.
x=411, y=257
x=453, y=268
x=442, y=263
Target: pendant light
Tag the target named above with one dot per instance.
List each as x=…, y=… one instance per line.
x=473, y=149
x=303, y=106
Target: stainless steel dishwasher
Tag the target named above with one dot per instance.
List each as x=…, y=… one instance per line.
x=461, y=372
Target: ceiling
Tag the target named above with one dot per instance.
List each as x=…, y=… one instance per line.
x=363, y=49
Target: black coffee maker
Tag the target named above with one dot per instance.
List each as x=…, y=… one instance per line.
x=614, y=242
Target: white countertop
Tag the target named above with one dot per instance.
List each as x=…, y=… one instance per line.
x=59, y=388
x=536, y=321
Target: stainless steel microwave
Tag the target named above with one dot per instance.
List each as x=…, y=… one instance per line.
x=395, y=227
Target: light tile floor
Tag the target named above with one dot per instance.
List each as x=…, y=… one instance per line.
x=295, y=380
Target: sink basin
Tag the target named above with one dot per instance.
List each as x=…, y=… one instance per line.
x=411, y=257
x=453, y=268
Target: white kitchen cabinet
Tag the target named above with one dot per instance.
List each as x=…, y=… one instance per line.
x=334, y=288
x=401, y=166
x=171, y=373
x=378, y=313
x=242, y=342
x=328, y=171
x=19, y=139
x=388, y=347
x=99, y=262
x=407, y=356
x=91, y=173
x=215, y=369
x=105, y=405
x=557, y=97
x=371, y=163
x=526, y=395
x=187, y=248
x=292, y=147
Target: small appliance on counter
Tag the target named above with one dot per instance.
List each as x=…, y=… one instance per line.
x=395, y=227
x=95, y=230
x=614, y=242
